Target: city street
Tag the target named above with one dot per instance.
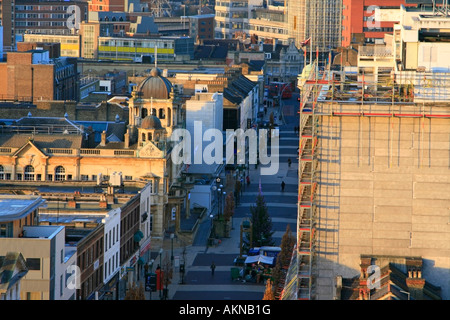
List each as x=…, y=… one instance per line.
x=199, y=283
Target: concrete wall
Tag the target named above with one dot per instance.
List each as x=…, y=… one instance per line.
x=385, y=190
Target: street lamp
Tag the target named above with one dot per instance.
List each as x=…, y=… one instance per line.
x=219, y=201
x=149, y=274
x=171, y=257
x=160, y=272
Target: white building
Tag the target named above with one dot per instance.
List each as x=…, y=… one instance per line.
x=205, y=109
x=111, y=244
x=146, y=220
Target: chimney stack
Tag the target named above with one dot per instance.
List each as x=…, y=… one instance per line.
x=103, y=141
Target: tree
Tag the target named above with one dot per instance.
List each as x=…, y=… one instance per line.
x=287, y=245
x=283, y=258
x=261, y=223
x=135, y=292
x=237, y=190
x=271, y=121
x=228, y=211
x=268, y=294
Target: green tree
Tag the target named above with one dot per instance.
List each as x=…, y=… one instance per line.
x=261, y=223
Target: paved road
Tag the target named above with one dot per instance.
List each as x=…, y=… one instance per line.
x=199, y=283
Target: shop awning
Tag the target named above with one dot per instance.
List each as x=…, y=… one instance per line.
x=259, y=259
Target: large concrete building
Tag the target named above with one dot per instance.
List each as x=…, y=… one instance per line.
x=373, y=169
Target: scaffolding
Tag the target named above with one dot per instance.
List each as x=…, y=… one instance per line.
x=329, y=93
x=300, y=278
x=318, y=19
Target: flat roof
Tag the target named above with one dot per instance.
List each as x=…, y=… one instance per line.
x=17, y=207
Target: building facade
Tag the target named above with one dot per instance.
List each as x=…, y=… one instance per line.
x=26, y=75
x=373, y=19
x=319, y=20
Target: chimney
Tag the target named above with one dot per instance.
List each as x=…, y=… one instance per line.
x=126, y=139
x=103, y=141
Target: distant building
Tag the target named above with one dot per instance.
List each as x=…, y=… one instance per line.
x=31, y=76
x=372, y=18
x=283, y=63
x=232, y=18
x=268, y=23
x=201, y=27
x=7, y=13
x=49, y=17
x=70, y=45
x=319, y=20
x=106, y=5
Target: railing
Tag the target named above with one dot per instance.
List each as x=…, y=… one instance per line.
x=377, y=51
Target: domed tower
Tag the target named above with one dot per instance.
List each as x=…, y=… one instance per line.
x=155, y=97
x=151, y=130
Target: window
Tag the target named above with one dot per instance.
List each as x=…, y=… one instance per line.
x=29, y=173
x=2, y=173
x=60, y=173
x=34, y=264
x=6, y=230
x=61, y=286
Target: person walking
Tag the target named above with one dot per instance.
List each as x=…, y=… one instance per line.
x=289, y=162
x=248, y=180
x=213, y=267
x=282, y=186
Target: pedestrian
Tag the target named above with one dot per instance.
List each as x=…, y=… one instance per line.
x=248, y=180
x=213, y=267
x=282, y=185
x=289, y=162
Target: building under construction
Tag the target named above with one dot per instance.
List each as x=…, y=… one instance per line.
x=319, y=20
x=374, y=177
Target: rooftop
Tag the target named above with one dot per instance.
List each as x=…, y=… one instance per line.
x=18, y=207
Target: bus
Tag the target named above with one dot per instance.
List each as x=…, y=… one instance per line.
x=275, y=88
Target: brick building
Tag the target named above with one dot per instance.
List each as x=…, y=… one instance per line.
x=25, y=76
x=359, y=17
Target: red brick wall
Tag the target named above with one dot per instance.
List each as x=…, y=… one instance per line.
x=353, y=18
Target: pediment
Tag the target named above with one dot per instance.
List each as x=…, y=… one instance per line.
x=29, y=150
x=150, y=150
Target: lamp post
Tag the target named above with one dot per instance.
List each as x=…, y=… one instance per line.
x=151, y=270
x=172, y=236
x=160, y=272
x=219, y=201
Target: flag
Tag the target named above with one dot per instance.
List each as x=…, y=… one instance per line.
x=306, y=42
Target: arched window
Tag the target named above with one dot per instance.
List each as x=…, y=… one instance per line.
x=162, y=114
x=149, y=136
x=143, y=137
x=144, y=113
x=29, y=173
x=60, y=173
